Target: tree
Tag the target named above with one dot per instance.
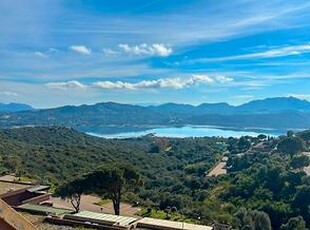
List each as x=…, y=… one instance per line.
x=194, y=184
x=291, y=145
x=305, y=135
x=245, y=219
x=244, y=144
x=262, y=136
x=112, y=182
x=73, y=190
x=298, y=162
x=13, y=163
x=290, y=133
x=301, y=202
x=294, y=223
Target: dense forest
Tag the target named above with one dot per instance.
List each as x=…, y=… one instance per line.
x=264, y=187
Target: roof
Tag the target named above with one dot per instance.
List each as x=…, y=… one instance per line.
x=6, y=187
x=44, y=209
x=13, y=218
x=102, y=218
x=38, y=188
x=166, y=224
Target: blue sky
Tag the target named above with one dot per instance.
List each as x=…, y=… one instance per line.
x=57, y=52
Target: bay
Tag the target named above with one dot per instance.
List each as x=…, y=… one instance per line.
x=186, y=131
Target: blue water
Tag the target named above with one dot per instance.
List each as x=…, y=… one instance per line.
x=191, y=131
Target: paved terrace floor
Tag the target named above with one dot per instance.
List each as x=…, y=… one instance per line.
x=7, y=187
x=88, y=204
x=219, y=169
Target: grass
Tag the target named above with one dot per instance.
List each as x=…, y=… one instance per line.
x=103, y=202
x=159, y=214
x=24, y=179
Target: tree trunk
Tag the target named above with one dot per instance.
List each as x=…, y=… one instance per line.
x=116, y=202
x=75, y=201
x=116, y=207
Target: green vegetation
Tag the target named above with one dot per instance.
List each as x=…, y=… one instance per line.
x=110, y=181
x=291, y=145
x=299, y=162
x=169, y=214
x=103, y=202
x=265, y=187
x=172, y=172
x=74, y=190
x=249, y=219
x=294, y=223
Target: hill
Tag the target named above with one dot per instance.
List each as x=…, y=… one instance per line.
x=56, y=154
x=14, y=107
x=53, y=155
x=173, y=171
x=275, y=105
x=279, y=113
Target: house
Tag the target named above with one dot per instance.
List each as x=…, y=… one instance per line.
x=33, y=195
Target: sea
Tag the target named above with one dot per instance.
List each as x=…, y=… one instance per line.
x=181, y=132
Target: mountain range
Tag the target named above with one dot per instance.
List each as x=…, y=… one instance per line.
x=279, y=113
x=268, y=105
x=14, y=107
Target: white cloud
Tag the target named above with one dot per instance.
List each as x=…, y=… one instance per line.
x=272, y=53
x=110, y=52
x=156, y=49
x=80, y=49
x=66, y=85
x=173, y=83
x=45, y=54
x=224, y=79
x=300, y=96
x=161, y=50
x=9, y=93
x=244, y=97
x=40, y=54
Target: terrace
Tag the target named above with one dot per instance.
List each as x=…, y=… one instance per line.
x=36, y=201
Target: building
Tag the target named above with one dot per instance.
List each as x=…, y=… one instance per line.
x=33, y=195
x=12, y=220
x=35, y=200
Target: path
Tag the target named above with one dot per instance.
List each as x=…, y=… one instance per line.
x=219, y=169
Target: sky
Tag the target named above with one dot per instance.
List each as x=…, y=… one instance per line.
x=59, y=52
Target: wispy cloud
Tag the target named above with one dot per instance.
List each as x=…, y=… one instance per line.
x=223, y=79
x=9, y=93
x=53, y=50
x=289, y=76
x=244, y=97
x=66, y=85
x=47, y=53
x=80, y=49
x=271, y=53
x=40, y=54
x=182, y=31
x=110, y=52
x=156, y=49
x=172, y=83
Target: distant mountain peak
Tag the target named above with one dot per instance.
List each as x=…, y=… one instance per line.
x=280, y=112
x=276, y=104
x=14, y=107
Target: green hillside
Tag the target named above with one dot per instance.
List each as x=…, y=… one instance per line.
x=173, y=170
